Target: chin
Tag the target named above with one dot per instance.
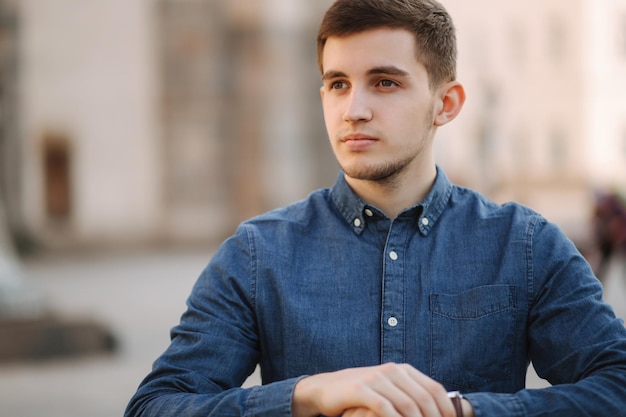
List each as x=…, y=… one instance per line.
x=369, y=174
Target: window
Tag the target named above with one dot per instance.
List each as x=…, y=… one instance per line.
x=57, y=172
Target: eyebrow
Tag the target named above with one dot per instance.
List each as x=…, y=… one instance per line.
x=388, y=70
x=329, y=75
x=383, y=70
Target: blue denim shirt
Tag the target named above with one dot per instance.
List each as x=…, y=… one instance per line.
x=465, y=290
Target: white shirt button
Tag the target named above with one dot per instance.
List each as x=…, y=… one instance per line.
x=425, y=221
x=357, y=222
x=393, y=255
x=369, y=213
x=392, y=321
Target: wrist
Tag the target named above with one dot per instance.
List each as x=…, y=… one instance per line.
x=302, y=404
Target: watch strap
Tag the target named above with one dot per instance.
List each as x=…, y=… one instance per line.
x=456, y=398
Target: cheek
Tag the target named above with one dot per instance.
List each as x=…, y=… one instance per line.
x=329, y=122
x=330, y=106
x=333, y=115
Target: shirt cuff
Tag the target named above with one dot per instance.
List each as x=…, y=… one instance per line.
x=272, y=400
x=488, y=404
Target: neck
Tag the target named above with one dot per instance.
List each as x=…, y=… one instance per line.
x=394, y=195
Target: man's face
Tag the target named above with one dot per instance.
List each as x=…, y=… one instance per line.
x=378, y=107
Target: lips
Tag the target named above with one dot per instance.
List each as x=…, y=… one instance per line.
x=358, y=142
x=356, y=137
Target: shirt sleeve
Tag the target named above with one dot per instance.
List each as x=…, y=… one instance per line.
x=575, y=340
x=214, y=348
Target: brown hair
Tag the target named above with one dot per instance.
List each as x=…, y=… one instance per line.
x=426, y=19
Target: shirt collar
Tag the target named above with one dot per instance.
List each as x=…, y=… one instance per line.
x=356, y=212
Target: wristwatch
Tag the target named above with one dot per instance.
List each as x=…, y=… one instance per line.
x=456, y=397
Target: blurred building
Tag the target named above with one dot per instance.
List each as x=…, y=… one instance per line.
x=158, y=120
x=172, y=120
x=545, y=119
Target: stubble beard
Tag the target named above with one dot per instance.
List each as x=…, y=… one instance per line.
x=389, y=173
x=384, y=173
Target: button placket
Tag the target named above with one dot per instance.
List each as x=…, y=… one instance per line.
x=392, y=313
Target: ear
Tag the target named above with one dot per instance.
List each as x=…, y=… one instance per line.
x=452, y=96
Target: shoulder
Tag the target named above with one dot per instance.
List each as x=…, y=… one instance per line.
x=299, y=212
x=299, y=220
x=514, y=220
x=276, y=229
x=480, y=206
x=510, y=220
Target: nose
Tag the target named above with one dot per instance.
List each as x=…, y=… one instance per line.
x=357, y=107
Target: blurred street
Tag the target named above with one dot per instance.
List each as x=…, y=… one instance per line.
x=140, y=295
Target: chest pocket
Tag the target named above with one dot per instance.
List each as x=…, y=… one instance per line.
x=472, y=336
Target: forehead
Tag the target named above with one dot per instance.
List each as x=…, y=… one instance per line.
x=371, y=48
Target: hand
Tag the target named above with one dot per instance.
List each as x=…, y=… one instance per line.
x=358, y=412
x=468, y=411
x=389, y=390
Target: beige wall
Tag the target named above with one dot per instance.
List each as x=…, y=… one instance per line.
x=87, y=72
x=554, y=72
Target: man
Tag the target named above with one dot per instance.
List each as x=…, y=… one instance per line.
x=377, y=296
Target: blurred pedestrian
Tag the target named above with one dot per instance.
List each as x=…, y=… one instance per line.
x=609, y=227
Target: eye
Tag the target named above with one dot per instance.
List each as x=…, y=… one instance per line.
x=387, y=83
x=338, y=85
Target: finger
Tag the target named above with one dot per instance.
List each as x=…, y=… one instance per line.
x=413, y=393
x=391, y=393
x=408, y=395
x=426, y=403
x=359, y=412
x=334, y=392
x=384, y=399
x=435, y=391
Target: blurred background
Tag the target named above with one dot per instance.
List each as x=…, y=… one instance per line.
x=136, y=134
